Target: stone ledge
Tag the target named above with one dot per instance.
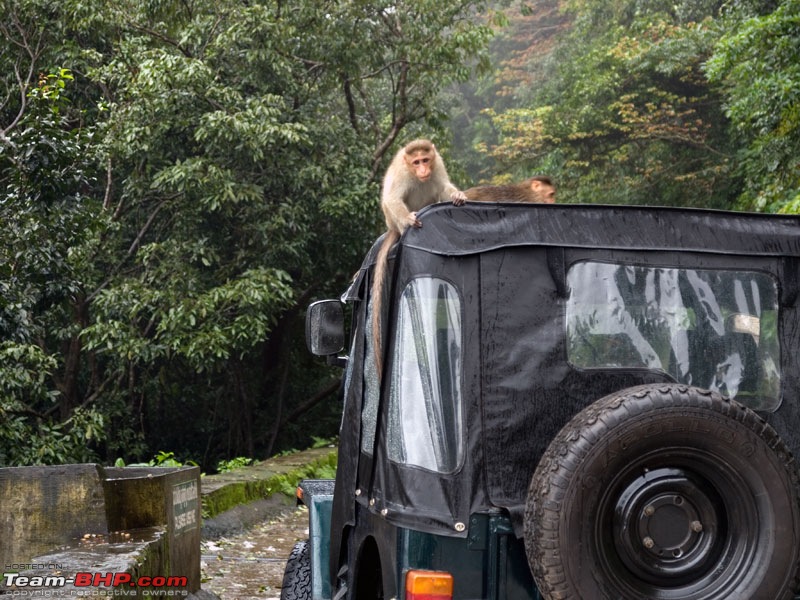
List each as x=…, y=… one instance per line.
x=143, y=555
x=263, y=480
x=97, y=518
x=103, y=523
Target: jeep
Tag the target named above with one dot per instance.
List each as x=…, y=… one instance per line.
x=577, y=402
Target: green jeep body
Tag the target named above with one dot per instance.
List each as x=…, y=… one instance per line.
x=577, y=402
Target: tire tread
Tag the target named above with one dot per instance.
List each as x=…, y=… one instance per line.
x=557, y=468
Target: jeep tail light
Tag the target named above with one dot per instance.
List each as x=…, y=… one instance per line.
x=429, y=585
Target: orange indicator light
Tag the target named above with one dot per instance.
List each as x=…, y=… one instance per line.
x=429, y=585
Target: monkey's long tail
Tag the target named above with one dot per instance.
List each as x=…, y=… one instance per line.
x=379, y=276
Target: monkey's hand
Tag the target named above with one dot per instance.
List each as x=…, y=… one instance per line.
x=458, y=197
x=413, y=221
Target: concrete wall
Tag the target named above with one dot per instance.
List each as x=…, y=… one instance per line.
x=71, y=518
x=44, y=508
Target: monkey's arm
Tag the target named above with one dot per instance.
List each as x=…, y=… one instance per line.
x=398, y=217
x=453, y=193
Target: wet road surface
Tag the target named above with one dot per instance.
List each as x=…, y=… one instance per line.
x=249, y=564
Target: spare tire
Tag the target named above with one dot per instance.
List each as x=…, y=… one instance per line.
x=665, y=492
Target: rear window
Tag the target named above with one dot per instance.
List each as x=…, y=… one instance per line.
x=714, y=329
x=425, y=400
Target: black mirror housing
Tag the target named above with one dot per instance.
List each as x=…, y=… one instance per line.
x=325, y=327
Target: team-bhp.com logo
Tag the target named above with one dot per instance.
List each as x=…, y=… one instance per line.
x=17, y=584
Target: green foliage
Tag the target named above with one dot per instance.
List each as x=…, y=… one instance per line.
x=161, y=459
x=25, y=372
x=225, y=466
x=758, y=63
x=688, y=103
x=40, y=440
x=287, y=484
x=621, y=112
x=201, y=327
x=177, y=182
x=30, y=431
x=247, y=489
x=45, y=177
x=322, y=442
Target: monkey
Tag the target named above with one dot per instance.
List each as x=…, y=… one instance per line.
x=416, y=178
x=538, y=189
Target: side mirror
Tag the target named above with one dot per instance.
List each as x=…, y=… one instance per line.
x=325, y=327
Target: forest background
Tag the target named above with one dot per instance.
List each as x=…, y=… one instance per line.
x=180, y=178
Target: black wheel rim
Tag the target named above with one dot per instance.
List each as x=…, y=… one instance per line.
x=676, y=522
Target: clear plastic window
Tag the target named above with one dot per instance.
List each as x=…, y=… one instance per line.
x=714, y=329
x=372, y=389
x=425, y=408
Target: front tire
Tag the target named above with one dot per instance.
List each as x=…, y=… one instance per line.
x=297, y=575
x=665, y=492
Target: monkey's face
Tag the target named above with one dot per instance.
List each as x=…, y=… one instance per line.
x=546, y=194
x=421, y=165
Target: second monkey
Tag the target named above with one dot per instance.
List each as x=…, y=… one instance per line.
x=539, y=189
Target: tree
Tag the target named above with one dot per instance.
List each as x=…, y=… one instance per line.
x=231, y=153
x=46, y=213
x=624, y=113
x=520, y=51
x=758, y=63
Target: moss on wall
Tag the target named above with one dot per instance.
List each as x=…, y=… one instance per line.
x=279, y=475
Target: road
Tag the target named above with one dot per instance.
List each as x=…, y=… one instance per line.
x=248, y=564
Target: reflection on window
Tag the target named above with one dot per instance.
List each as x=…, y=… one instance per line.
x=425, y=413
x=712, y=329
x=372, y=389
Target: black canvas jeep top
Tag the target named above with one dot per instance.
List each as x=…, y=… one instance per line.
x=609, y=393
